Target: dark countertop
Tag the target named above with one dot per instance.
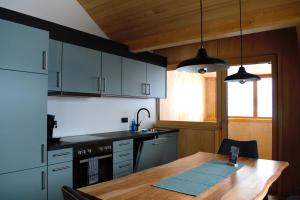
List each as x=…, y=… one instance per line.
x=109, y=137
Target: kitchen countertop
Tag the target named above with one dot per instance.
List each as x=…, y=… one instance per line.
x=105, y=137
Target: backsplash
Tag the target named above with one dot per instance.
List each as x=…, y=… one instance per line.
x=81, y=115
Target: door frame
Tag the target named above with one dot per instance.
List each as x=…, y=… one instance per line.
x=276, y=137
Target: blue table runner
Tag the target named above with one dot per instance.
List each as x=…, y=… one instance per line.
x=199, y=179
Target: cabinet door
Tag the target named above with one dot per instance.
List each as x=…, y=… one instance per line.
x=169, y=147
x=23, y=48
x=133, y=78
x=58, y=176
x=28, y=184
x=23, y=120
x=156, y=80
x=54, y=65
x=81, y=69
x=111, y=74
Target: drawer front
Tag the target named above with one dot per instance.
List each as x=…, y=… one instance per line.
x=59, y=175
x=119, y=175
x=123, y=145
x=61, y=155
x=123, y=156
x=126, y=166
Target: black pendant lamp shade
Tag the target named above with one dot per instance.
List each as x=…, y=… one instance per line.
x=202, y=62
x=241, y=76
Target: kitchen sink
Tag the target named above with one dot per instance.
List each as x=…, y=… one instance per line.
x=152, y=130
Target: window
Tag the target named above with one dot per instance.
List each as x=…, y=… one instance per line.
x=252, y=99
x=190, y=97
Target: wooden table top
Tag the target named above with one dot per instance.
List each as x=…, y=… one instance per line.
x=252, y=181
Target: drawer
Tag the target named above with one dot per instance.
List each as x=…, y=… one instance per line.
x=123, y=156
x=59, y=175
x=122, y=145
x=61, y=155
x=119, y=175
x=126, y=166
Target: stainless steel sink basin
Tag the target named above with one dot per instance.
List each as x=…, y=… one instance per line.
x=151, y=130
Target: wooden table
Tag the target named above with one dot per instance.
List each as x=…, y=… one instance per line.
x=250, y=182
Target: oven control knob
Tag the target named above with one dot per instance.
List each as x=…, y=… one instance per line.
x=101, y=148
x=89, y=150
x=105, y=148
x=83, y=152
x=79, y=153
x=109, y=147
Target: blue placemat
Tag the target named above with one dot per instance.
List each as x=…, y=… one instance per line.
x=199, y=179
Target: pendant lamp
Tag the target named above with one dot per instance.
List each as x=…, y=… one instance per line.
x=202, y=62
x=241, y=76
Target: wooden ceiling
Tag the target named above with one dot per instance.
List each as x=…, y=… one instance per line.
x=154, y=24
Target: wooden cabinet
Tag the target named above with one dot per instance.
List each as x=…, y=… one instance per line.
x=23, y=120
x=122, y=158
x=156, y=81
x=23, y=48
x=28, y=184
x=54, y=65
x=111, y=75
x=134, y=78
x=81, y=69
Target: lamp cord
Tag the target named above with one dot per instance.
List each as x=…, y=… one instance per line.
x=201, y=14
x=241, y=33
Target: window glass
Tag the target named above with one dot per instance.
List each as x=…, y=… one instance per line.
x=264, y=97
x=190, y=97
x=240, y=99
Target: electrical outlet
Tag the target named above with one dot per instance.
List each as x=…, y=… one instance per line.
x=124, y=120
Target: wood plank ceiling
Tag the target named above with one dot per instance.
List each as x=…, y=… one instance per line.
x=154, y=24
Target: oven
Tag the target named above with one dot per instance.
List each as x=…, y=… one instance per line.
x=92, y=163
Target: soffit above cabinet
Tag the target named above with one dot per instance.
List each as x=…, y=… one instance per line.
x=148, y=25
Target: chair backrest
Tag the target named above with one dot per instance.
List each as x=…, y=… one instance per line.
x=70, y=194
x=247, y=148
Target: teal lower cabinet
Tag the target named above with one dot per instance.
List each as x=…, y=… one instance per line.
x=122, y=158
x=28, y=184
x=60, y=172
x=59, y=175
x=169, y=147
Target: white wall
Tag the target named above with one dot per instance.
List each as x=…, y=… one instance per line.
x=64, y=12
x=79, y=116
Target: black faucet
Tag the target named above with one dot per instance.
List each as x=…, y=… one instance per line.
x=137, y=117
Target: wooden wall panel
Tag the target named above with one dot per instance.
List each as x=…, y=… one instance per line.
x=210, y=99
x=283, y=45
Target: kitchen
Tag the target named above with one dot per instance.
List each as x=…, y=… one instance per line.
x=90, y=108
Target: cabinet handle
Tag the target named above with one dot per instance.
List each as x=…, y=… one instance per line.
x=123, y=144
x=144, y=88
x=58, y=79
x=122, y=166
x=149, y=89
x=61, y=154
x=45, y=60
x=98, y=83
x=103, y=84
x=125, y=154
x=60, y=169
x=43, y=176
x=42, y=153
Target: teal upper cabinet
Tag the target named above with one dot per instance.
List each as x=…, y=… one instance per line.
x=156, y=81
x=23, y=120
x=23, y=48
x=134, y=78
x=81, y=69
x=28, y=184
x=54, y=65
x=111, y=74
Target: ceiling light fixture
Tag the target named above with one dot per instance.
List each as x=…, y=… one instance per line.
x=202, y=62
x=241, y=76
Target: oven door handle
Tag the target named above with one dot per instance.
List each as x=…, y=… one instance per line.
x=98, y=158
